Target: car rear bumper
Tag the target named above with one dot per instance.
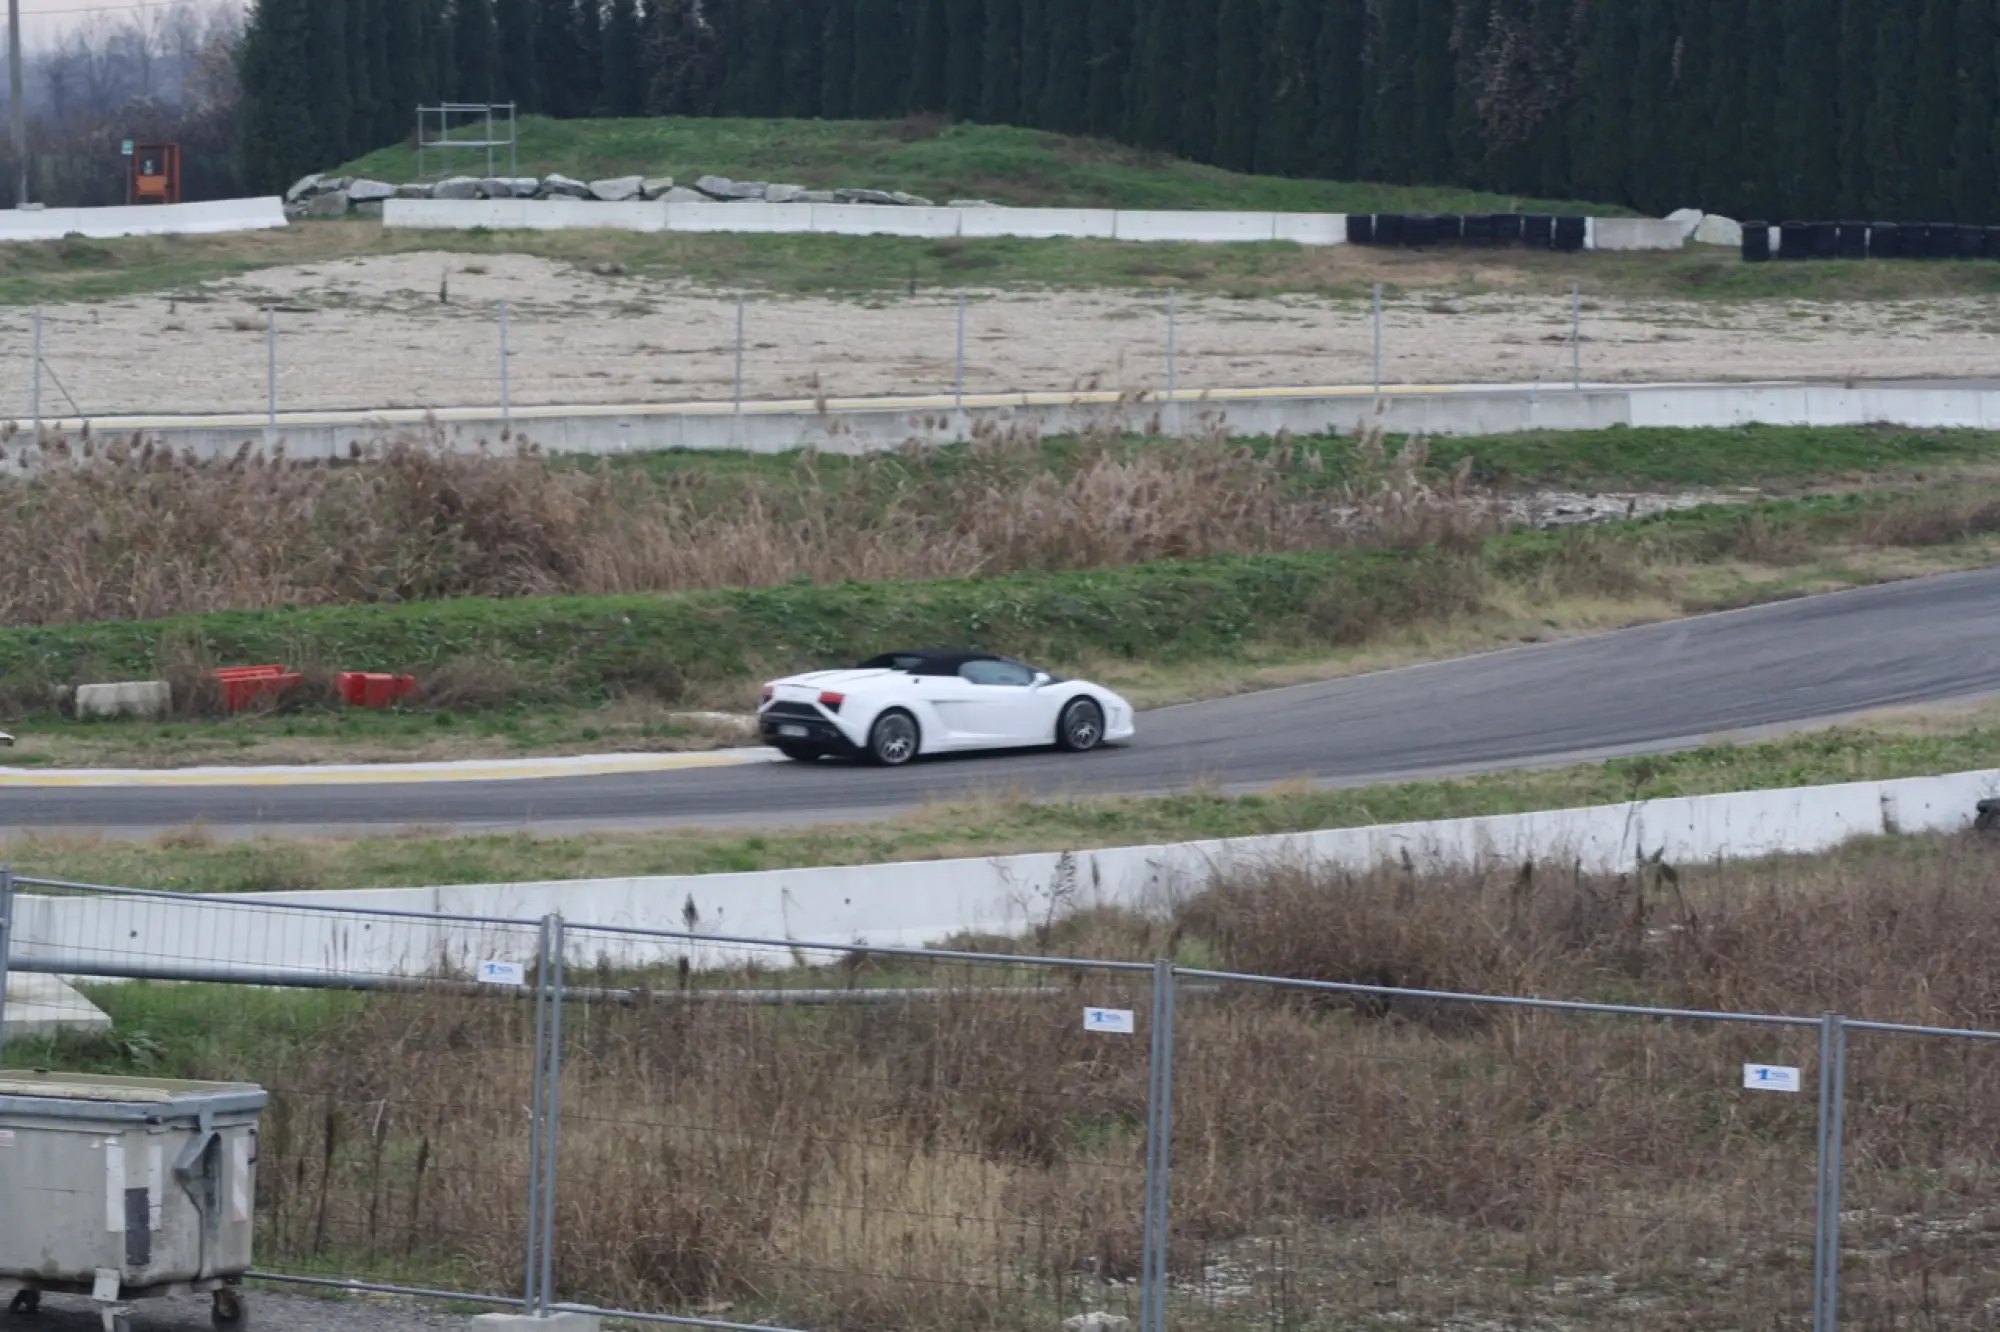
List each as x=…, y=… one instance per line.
x=792, y=729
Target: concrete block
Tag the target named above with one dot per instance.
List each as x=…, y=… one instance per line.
x=749, y=215
x=521, y=1322
x=1209, y=228
x=1637, y=233
x=150, y=699
x=873, y=220
x=1310, y=228
x=39, y=1005
x=988, y=220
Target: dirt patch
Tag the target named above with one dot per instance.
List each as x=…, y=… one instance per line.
x=421, y=330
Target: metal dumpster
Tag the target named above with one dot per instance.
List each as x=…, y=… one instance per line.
x=125, y=1189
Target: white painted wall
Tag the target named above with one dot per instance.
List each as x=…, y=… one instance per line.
x=922, y=902
x=189, y=219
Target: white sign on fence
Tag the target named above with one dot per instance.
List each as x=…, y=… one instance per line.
x=1770, y=1078
x=1117, y=1021
x=502, y=973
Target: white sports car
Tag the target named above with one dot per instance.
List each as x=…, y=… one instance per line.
x=896, y=706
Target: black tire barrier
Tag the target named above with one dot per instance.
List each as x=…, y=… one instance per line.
x=1389, y=228
x=1361, y=228
x=1506, y=228
x=1794, y=242
x=1448, y=228
x=1943, y=238
x=1480, y=230
x=1570, y=234
x=1971, y=242
x=1885, y=241
x=1756, y=242
x=1538, y=231
x=1825, y=239
x=1991, y=248
x=1851, y=242
x=1419, y=231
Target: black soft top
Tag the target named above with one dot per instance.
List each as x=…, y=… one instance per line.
x=925, y=661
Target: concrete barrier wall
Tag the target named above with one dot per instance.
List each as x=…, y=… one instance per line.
x=191, y=219
x=922, y=902
x=1636, y=233
x=522, y=215
x=865, y=425
x=1039, y=223
x=1199, y=228
x=745, y=216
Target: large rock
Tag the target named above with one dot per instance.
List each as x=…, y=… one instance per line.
x=303, y=186
x=368, y=208
x=147, y=699
x=370, y=191
x=908, y=200
x=654, y=187
x=814, y=196
x=619, y=189
x=1715, y=229
x=413, y=191
x=722, y=187
x=558, y=186
x=682, y=194
x=971, y=203
x=864, y=196
x=1688, y=218
x=332, y=204
x=456, y=187
x=509, y=187
x=783, y=193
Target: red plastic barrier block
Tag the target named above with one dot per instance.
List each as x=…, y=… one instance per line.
x=375, y=689
x=243, y=686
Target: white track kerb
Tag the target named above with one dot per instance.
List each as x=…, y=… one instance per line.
x=914, y=903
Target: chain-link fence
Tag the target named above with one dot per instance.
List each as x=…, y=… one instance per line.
x=690, y=1127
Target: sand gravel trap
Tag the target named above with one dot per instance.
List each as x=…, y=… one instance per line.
x=373, y=333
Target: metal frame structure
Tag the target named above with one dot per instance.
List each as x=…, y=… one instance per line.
x=495, y=116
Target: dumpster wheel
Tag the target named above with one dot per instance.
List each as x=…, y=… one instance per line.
x=229, y=1313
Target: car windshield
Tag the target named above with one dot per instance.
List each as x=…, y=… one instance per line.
x=995, y=672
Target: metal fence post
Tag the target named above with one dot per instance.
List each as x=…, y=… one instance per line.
x=1159, y=1135
x=6, y=944
x=506, y=388
x=739, y=353
x=1173, y=354
x=531, y=1265
x=553, y=1132
x=1378, y=337
x=270, y=370
x=1820, y=1170
x=1836, y=1152
x=959, y=379
x=1576, y=335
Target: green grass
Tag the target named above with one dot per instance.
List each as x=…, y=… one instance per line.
x=1001, y=825
x=931, y=158
x=1620, y=458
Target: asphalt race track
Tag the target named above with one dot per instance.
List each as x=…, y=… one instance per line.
x=1649, y=689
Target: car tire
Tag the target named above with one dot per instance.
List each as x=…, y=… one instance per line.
x=800, y=753
x=894, y=739
x=1081, y=726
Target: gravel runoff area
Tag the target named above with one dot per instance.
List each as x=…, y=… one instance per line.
x=372, y=333
x=268, y=1309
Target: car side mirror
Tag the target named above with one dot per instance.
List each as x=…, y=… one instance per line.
x=1041, y=678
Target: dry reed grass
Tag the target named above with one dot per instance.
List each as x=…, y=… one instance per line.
x=140, y=532
x=975, y=1160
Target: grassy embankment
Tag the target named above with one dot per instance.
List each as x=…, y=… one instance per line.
x=1009, y=166
x=1315, y=558
x=974, y=1159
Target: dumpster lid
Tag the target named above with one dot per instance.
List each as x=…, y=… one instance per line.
x=118, y=1088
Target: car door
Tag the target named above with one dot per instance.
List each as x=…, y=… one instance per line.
x=1003, y=705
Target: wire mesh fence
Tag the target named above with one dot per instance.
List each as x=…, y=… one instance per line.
x=685, y=1126
x=457, y=333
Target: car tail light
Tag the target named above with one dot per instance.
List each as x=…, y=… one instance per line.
x=832, y=701
x=769, y=691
